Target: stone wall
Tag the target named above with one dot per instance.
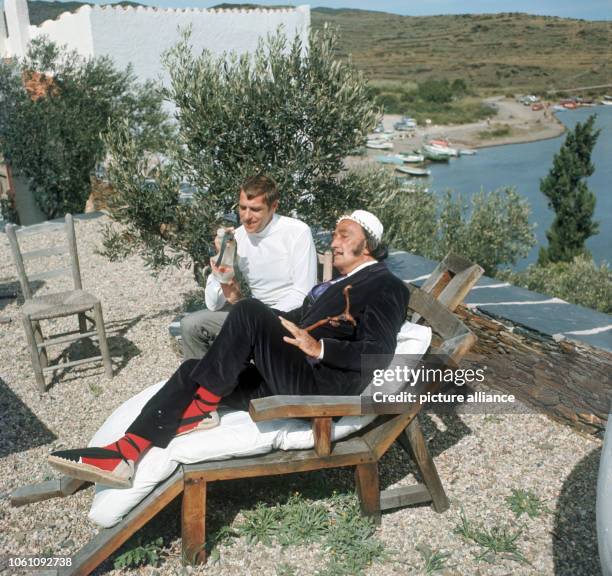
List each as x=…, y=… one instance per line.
x=568, y=380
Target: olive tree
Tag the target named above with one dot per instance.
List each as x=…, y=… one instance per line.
x=291, y=111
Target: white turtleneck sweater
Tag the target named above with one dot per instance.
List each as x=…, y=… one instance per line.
x=279, y=264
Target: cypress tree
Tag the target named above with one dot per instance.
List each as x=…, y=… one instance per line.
x=569, y=196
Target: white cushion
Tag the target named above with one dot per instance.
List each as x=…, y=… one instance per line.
x=237, y=435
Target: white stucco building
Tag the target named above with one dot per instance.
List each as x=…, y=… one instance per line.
x=140, y=35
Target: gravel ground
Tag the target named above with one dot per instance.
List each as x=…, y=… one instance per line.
x=480, y=458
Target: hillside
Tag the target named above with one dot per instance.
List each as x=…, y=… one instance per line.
x=491, y=52
x=494, y=52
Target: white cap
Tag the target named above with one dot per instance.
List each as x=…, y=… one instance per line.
x=370, y=223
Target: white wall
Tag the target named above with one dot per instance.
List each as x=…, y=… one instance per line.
x=71, y=28
x=18, y=22
x=140, y=35
x=3, y=34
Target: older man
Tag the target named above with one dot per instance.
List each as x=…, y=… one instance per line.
x=276, y=257
x=315, y=349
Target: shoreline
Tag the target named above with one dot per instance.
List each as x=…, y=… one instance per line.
x=525, y=126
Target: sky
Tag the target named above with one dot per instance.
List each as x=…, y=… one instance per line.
x=586, y=9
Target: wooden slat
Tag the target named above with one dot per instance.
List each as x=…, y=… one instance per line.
x=287, y=406
x=69, y=338
x=44, y=252
x=404, y=496
x=321, y=431
x=56, y=488
x=424, y=461
x=368, y=489
x=55, y=273
x=110, y=539
x=42, y=228
x=193, y=521
x=346, y=453
x=72, y=363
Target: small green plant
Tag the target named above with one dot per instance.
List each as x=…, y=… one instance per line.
x=498, y=541
x=525, y=502
x=435, y=560
x=337, y=524
x=580, y=281
x=140, y=554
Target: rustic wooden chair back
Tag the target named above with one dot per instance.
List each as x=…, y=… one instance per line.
x=57, y=304
x=451, y=281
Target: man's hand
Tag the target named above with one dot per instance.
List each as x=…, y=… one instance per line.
x=302, y=339
x=231, y=289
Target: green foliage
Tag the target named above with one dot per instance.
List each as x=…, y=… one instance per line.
x=569, y=196
x=291, y=113
x=496, y=541
x=55, y=106
x=439, y=91
x=141, y=553
x=492, y=229
x=434, y=560
x=580, y=282
x=525, y=502
x=451, y=105
x=346, y=537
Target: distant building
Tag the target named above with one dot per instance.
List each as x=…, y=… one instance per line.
x=139, y=35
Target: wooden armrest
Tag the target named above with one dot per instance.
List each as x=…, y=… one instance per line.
x=273, y=407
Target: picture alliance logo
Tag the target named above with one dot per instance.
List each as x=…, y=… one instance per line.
x=401, y=374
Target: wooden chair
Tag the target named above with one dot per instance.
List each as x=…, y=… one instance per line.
x=57, y=304
x=362, y=450
x=451, y=281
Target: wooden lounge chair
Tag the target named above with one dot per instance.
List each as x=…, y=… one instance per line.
x=364, y=449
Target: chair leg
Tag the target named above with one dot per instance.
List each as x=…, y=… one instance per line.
x=106, y=359
x=413, y=441
x=82, y=323
x=38, y=336
x=36, y=364
x=368, y=489
x=193, y=520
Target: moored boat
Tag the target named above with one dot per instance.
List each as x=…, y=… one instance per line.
x=467, y=152
x=390, y=159
x=412, y=158
x=434, y=153
x=379, y=145
x=413, y=171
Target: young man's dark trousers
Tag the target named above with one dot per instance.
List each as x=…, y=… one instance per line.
x=248, y=359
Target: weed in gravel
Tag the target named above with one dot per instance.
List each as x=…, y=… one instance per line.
x=285, y=569
x=525, y=502
x=346, y=537
x=498, y=541
x=434, y=560
x=140, y=553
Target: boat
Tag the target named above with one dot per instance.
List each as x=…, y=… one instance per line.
x=413, y=171
x=412, y=158
x=379, y=145
x=443, y=145
x=537, y=106
x=607, y=100
x=390, y=159
x=434, y=153
x=467, y=152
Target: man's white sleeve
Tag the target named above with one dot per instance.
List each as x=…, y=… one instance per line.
x=215, y=300
x=303, y=272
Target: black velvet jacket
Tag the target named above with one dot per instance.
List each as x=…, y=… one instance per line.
x=378, y=302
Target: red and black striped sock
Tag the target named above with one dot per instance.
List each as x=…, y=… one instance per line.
x=203, y=401
x=131, y=446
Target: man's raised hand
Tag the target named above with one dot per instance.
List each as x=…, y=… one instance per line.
x=301, y=339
